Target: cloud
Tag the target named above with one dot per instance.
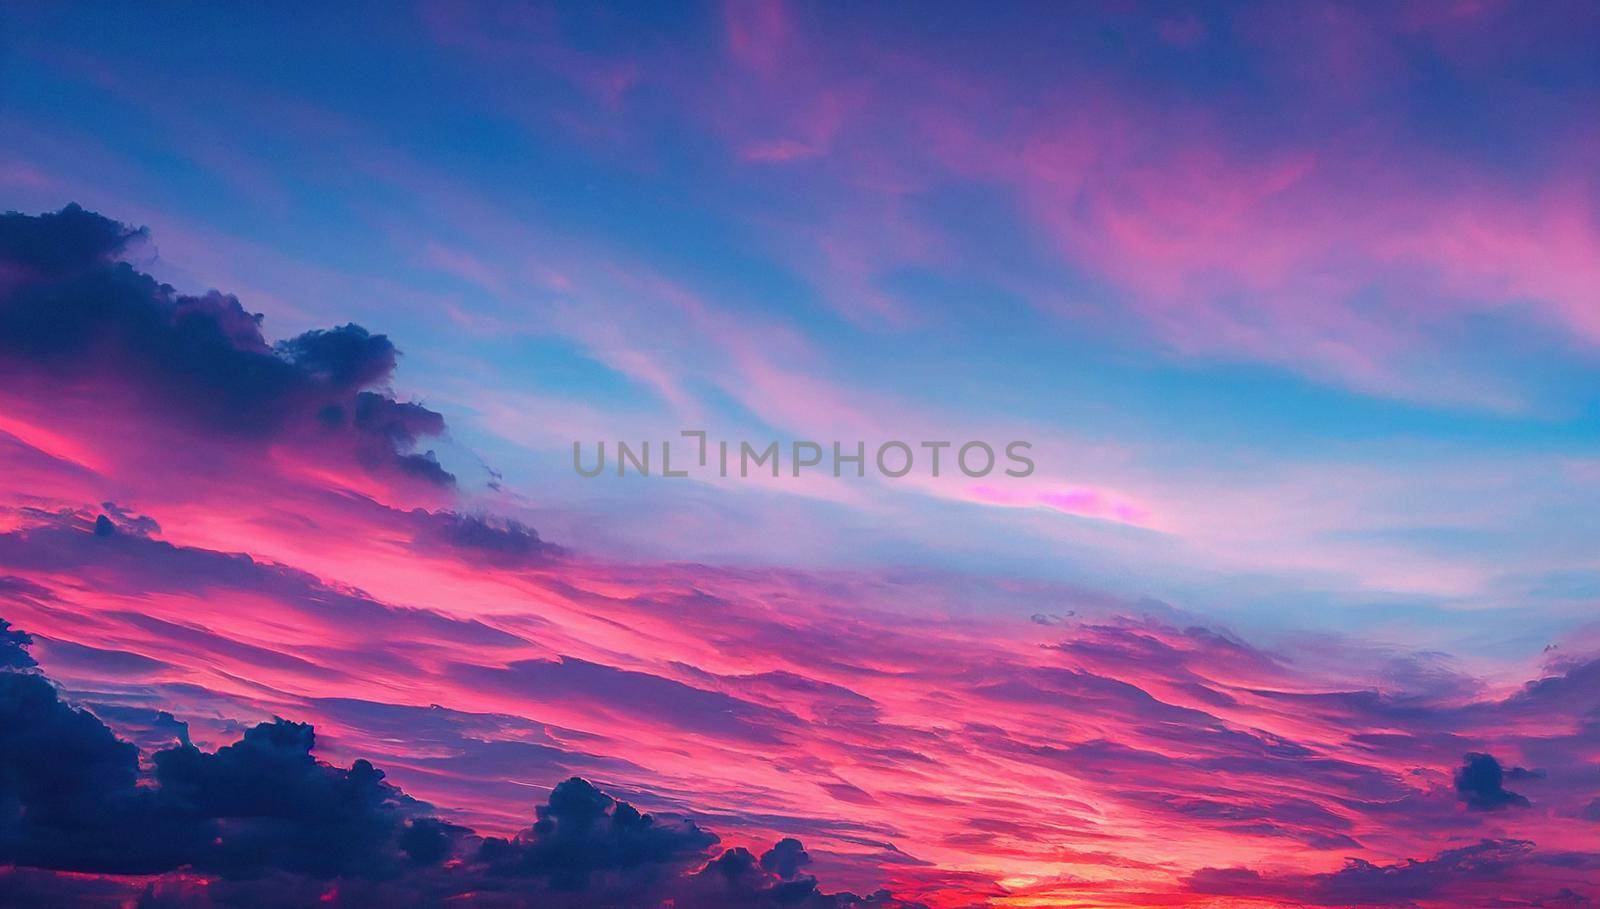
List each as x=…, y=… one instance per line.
x=57, y=244
x=503, y=542
x=73, y=316
x=273, y=806
x=73, y=799
x=470, y=658
x=1470, y=870
x=68, y=798
x=736, y=878
x=759, y=703
x=141, y=567
x=14, y=648
x=1480, y=783
x=262, y=822
x=785, y=858
x=648, y=697
x=346, y=358
x=584, y=838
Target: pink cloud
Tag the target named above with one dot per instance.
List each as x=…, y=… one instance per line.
x=1089, y=503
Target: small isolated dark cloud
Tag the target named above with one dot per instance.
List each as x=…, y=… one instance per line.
x=1480, y=784
x=262, y=822
x=70, y=311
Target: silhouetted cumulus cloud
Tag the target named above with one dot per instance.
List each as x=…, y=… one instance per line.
x=737, y=878
x=272, y=806
x=785, y=858
x=346, y=358
x=262, y=822
x=68, y=795
x=585, y=840
x=70, y=312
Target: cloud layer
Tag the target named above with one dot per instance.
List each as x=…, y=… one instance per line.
x=264, y=808
x=193, y=566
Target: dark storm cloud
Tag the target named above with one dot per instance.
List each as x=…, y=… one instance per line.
x=70, y=311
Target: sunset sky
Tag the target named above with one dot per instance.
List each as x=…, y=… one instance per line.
x=1298, y=305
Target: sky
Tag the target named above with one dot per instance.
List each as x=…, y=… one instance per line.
x=1296, y=305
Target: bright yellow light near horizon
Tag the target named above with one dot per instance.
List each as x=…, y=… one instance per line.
x=1017, y=882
